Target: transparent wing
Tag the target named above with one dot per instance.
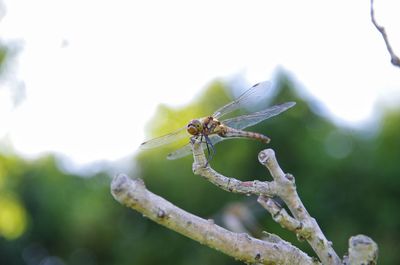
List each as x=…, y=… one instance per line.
x=257, y=91
x=165, y=139
x=244, y=121
x=240, y=122
x=186, y=149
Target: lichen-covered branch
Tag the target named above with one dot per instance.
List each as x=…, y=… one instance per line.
x=394, y=59
x=133, y=193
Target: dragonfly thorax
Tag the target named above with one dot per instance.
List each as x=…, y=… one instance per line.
x=194, y=127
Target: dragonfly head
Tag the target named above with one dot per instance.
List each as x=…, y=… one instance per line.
x=194, y=127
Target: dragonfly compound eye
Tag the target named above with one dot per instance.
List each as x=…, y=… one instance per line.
x=194, y=127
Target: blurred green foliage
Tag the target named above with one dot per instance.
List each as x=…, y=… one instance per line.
x=9, y=51
x=347, y=178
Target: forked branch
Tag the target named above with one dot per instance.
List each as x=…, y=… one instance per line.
x=283, y=186
x=133, y=194
x=241, y=246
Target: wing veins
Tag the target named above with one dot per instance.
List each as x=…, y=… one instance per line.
x=244, y=121
x=251, y=93
x=165, y=139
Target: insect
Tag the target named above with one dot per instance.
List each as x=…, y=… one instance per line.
x=210, y=130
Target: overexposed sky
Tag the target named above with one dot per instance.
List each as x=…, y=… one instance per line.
x=94, y=71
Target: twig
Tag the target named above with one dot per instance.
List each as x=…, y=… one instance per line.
x=283, y=186
x=281, y=216
x=394, y=59
x=133, y=193
x=255, y=187
x=272, y=249
x=309, y=228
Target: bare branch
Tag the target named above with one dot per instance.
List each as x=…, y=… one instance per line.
x=133, y=194
x=272, y=249
x=282, y=186
x=394, y=59
x=309, y=228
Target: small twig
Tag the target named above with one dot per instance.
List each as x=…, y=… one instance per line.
x=281, y=216
x=394, y=59
x=202, y=168
x=133, y=193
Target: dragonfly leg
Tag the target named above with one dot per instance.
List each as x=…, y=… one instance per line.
x=210, y=149
x=206, y=142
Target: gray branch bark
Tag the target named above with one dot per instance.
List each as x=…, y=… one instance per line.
x=272, y=249
x=283, y=186
x=394, y=59
x=133, y=194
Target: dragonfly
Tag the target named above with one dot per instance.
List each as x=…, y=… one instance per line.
x=210, y=130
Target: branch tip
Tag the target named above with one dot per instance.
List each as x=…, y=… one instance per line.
x=265, y=155
x=362, y=250
x=118, y=183
x=394, y=59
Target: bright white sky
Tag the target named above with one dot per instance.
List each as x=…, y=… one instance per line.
x=96, y=70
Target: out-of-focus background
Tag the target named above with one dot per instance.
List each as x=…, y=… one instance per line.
x=83, y=83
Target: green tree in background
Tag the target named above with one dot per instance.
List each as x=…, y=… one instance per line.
x=347, y=178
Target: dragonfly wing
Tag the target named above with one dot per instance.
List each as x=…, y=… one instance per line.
x=179, y=153
x=244, y=121
x=165, y=139
x=187, y=149
x=257, y=91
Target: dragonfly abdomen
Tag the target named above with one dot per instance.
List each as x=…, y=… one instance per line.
x=230, y=132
